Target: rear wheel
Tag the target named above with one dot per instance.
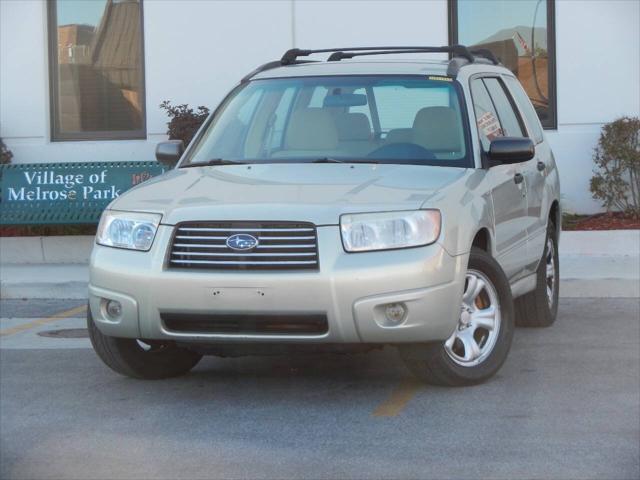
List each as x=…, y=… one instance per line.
x=481, y=341
x=143, y=359
x=539, y=308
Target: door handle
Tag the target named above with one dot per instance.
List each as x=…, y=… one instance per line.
x=541, y=166
x=518, y=178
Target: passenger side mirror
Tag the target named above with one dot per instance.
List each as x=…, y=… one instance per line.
x=168, y=153
x=507, y=150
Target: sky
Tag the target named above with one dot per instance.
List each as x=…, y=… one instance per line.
x=86, y=12
x=478, y=20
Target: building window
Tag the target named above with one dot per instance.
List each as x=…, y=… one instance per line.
x=96, y=69
x=522, y=34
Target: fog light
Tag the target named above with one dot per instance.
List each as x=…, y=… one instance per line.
x=113, y=308
x=395, y=313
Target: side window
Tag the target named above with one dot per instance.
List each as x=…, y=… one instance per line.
x=486, y=117
x=521, y=98
x=509, y=120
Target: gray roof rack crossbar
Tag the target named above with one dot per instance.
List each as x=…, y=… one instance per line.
x=461, y=55
x=340, y=55
x=291, y=55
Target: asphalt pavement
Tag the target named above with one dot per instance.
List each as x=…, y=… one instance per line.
x=565, y=405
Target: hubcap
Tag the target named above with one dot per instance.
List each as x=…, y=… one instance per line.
x=477, y=331
x=550, y=261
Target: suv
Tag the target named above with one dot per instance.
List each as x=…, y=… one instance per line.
x=339, y=205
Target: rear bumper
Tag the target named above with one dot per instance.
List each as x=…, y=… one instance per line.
x=351, y=290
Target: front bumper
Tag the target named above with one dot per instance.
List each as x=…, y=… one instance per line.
x=350, y=289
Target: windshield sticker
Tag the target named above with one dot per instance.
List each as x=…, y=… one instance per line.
x=489, y=125
x=440, y=79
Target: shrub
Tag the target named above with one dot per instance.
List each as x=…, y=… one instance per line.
x=5, y=153
x=184, y=121
x=616, y=180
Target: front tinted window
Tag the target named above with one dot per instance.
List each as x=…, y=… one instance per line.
x=487, y=119
x=418, y=121
x=508, y=118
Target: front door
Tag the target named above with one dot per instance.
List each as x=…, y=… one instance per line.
x=508, y=186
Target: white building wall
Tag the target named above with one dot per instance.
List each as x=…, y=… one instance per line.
x=196, y=50
x=598, y=80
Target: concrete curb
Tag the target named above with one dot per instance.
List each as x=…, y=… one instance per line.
x=46, y=250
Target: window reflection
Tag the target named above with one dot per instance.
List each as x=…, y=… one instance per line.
x=517, y=32
x=98, y=91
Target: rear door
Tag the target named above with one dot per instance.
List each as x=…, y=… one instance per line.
x=507, y=184
x=536, y=172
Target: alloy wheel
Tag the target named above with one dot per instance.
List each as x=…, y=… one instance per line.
x=479, y=325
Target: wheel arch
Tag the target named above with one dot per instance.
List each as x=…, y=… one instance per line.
x=482, y=240
x=555, y=216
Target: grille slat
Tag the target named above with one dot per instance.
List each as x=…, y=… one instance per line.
x=220, y=262
x=243, y=230
x=209, y=245
x=281, y=245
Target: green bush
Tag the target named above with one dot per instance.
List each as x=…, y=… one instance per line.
x=616, y=180
x=184, y=121
x=5, y=153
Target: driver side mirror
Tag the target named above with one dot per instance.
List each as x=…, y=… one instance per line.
x=507, y=150
x=168, y=153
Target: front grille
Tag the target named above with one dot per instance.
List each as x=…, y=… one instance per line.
x=285, y=324
x=281, y=245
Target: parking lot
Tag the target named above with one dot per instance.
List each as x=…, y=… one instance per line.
x=565, y=405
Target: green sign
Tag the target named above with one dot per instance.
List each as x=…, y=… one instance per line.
x=66, y=193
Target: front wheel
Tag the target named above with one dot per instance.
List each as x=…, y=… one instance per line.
x=148, y=359
x=479, y=345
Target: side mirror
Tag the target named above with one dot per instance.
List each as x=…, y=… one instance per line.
x=506, y=150
x=168, y=153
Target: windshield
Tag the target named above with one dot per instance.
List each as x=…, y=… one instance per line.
x=377, y=119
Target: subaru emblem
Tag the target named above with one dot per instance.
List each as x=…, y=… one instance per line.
x=242, y=241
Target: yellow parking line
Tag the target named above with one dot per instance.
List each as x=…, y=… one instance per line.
x=42, y=321
x=399, y=399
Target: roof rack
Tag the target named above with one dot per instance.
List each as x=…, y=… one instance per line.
x=290, y=56
x=461, y=55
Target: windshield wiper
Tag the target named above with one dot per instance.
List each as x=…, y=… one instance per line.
x=213, y=161
x=336, y=160
x=326, y=160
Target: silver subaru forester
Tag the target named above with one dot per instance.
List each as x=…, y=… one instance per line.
x=342, y=204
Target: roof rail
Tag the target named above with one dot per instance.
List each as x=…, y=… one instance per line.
x=269, y=66
x=461, y=56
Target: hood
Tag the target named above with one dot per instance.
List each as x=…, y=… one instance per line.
x=317, y=193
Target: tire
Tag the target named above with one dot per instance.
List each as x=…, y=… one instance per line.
x=127, y=357
x=539, y=308
x=441, y=363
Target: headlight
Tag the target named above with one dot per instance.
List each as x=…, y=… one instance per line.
x=131, y=230
x=383, y=231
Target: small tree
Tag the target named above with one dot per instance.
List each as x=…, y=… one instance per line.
x=184, y=121
x=5, y=154
x=616, y=180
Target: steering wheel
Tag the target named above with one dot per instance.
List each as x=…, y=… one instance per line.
x=403, y=150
